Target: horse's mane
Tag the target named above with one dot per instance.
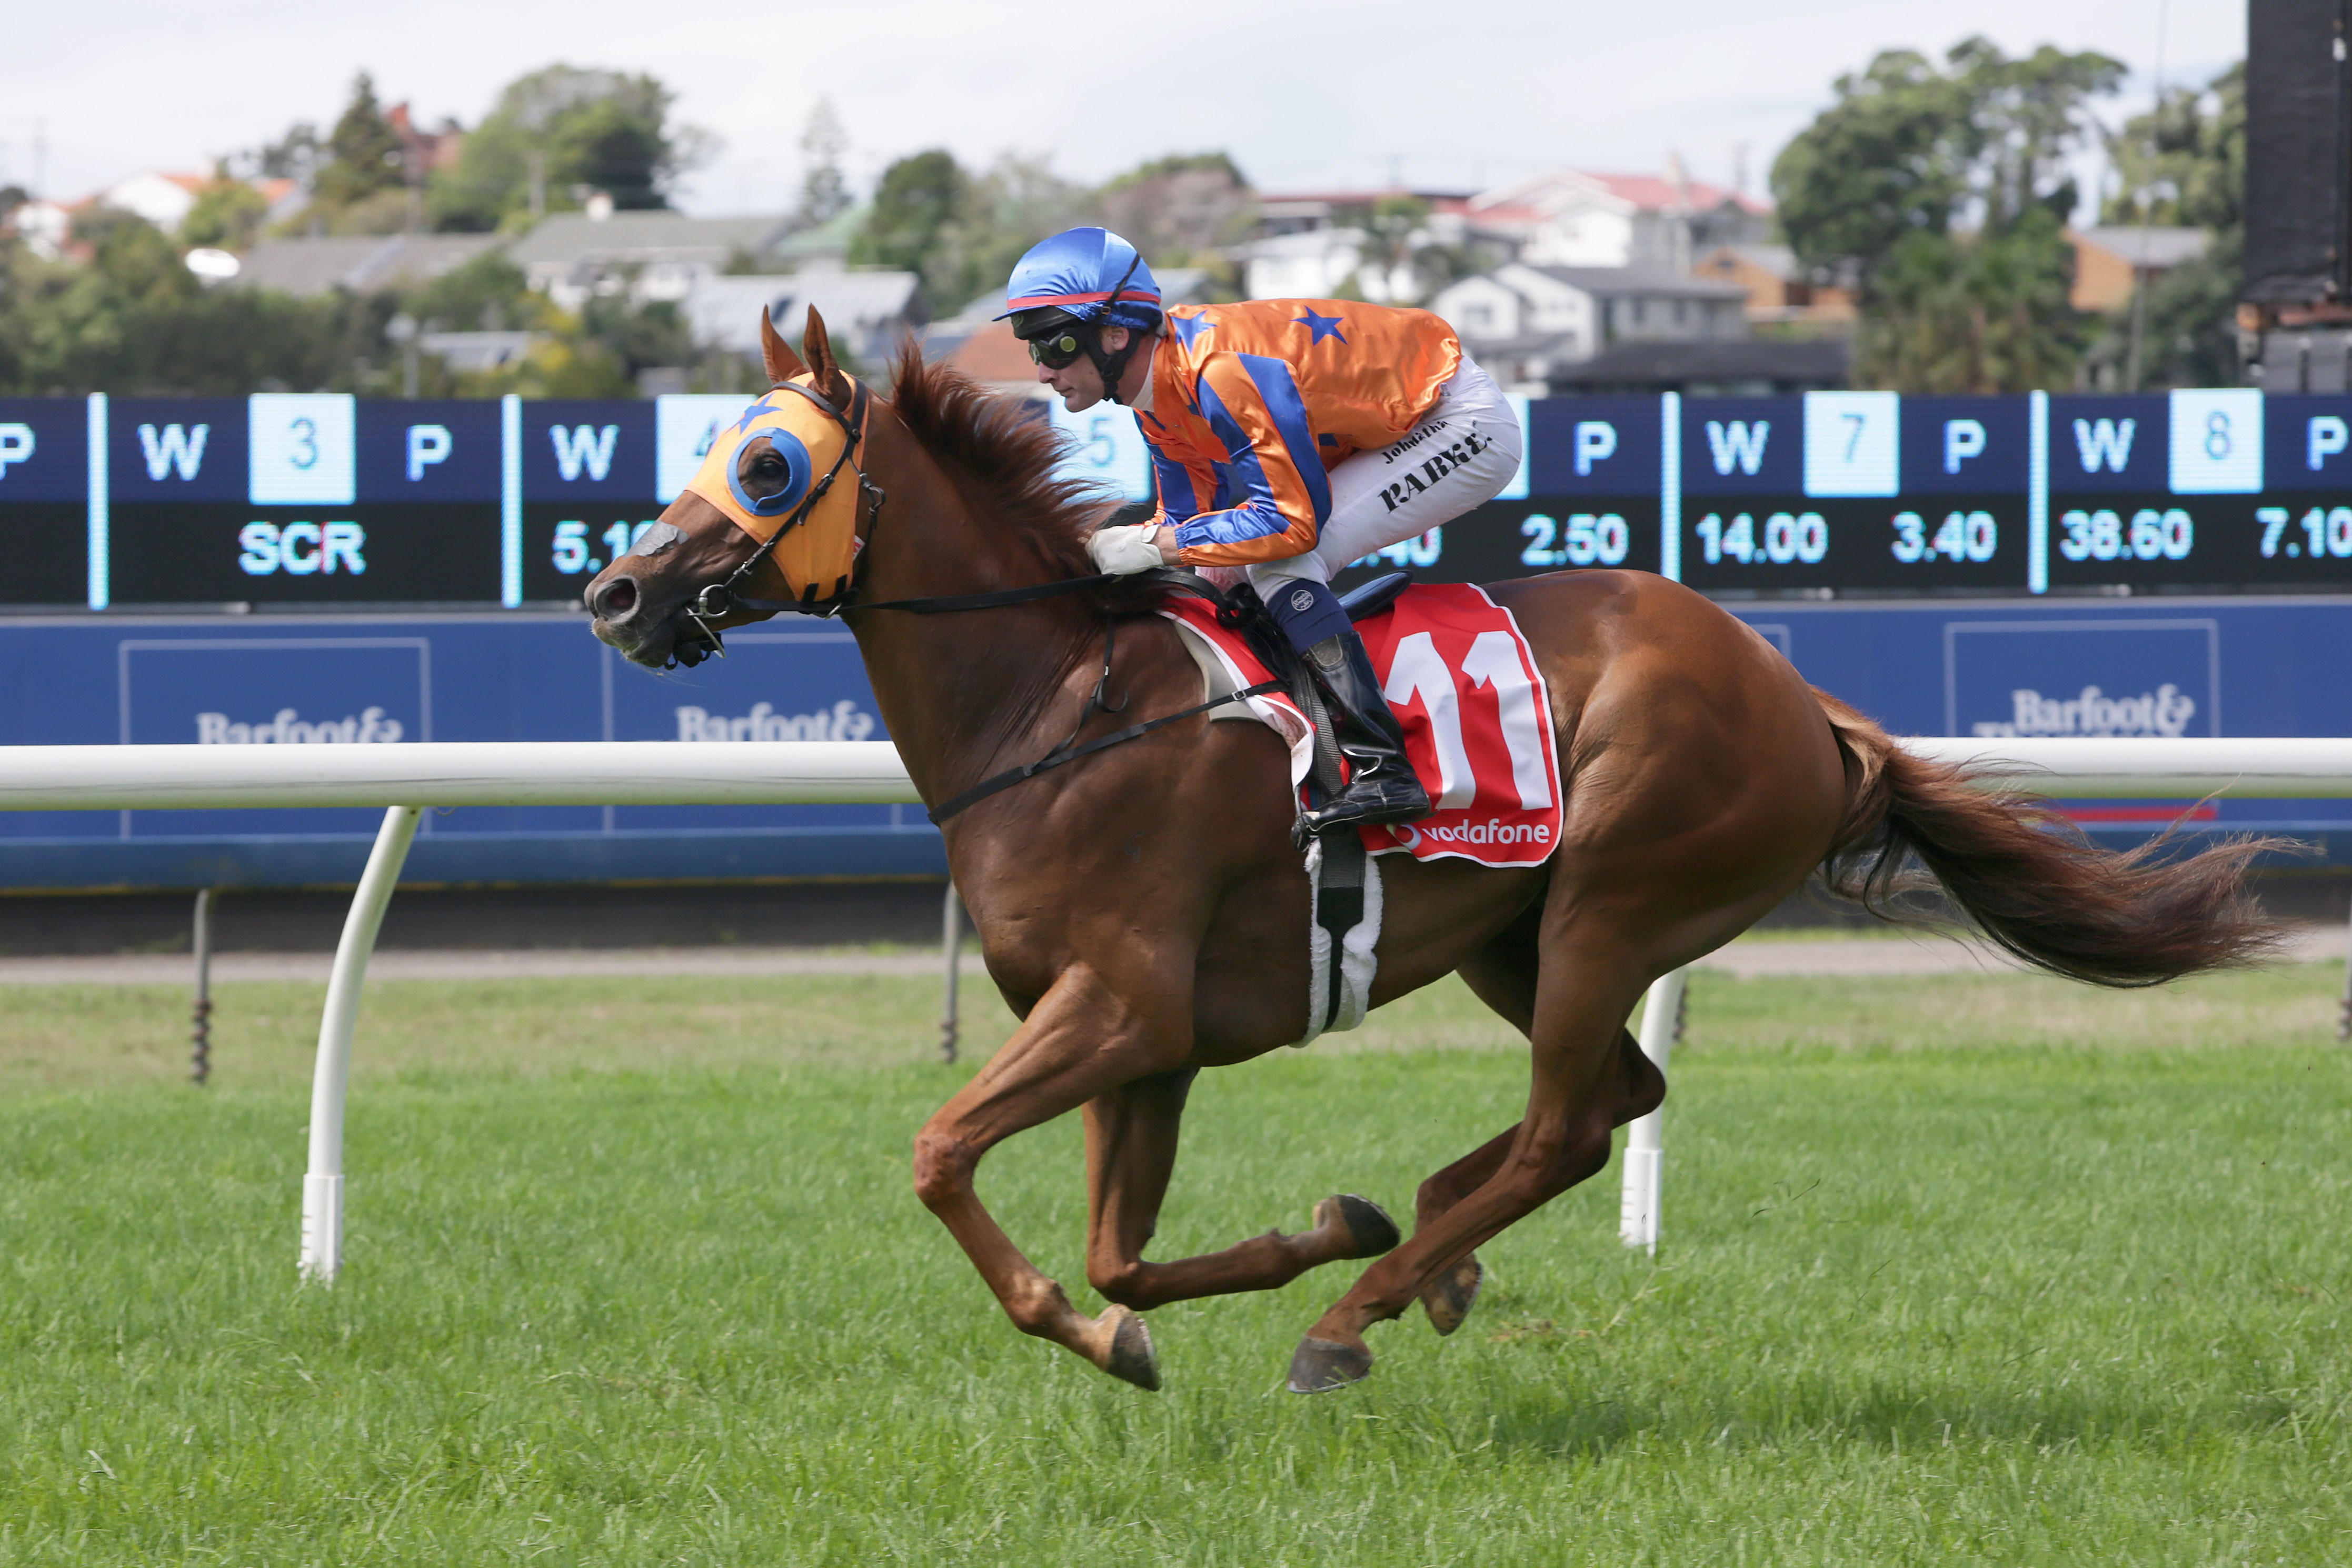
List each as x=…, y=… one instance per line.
x=1010, y=457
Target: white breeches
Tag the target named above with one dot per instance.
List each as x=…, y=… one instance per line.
x=1463, y=451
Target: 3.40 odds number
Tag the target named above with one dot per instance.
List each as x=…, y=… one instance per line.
x=1963, y=536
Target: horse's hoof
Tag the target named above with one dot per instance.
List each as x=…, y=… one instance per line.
x=1369, y=1229
x=1448, y=1299
x=1322, y=1363
x=1131, y=1358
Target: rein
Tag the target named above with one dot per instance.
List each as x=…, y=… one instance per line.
x=719, y=598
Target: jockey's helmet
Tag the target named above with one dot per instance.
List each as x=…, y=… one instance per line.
x=1068, y=288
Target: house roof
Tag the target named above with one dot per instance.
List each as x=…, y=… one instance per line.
x=360, y=263
x=1541, y=193
x=1617, y=281
x=1778, y=260
x=724, y=311
x=1649, y=367
x=565, y=239
x=2154, y=246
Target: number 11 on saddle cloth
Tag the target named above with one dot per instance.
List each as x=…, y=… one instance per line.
x=1477, y=721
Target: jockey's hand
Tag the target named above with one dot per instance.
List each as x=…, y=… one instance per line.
x=1133, y=546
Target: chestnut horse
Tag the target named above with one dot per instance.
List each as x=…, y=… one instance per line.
x=1145, y=915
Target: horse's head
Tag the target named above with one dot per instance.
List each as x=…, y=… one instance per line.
x=778, y=491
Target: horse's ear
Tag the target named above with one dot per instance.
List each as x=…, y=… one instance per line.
x=818, y=347
x=776, y=355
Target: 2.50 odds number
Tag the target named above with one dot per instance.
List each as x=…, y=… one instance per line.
x=1590, y=538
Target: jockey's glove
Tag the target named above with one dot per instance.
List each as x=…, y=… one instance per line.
x=1124, y=549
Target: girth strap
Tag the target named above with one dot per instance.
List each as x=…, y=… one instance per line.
x=1068, y=753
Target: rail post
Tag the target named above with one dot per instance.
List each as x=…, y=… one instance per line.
x=323, y=1185
x=951, y=945
x=200, y=1035
x=1662, y=1025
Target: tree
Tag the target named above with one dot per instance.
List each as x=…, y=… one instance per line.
x=910, y=227
x=1939, y=196
x=364, y=153
x=2181, y=165
x=1180, y=210
x=825, y=192
x=585, y=131
x=227, y=213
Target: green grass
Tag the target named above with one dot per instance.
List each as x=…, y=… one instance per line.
x=1960, y=1268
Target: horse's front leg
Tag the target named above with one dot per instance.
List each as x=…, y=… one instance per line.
x=1130, y=1153
x=1082, y=1039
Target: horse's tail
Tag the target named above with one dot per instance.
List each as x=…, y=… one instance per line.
x=2036, y=886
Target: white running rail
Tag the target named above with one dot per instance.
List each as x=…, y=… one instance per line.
x=406, y=778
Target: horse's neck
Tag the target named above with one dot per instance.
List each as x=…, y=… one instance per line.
x=966, y=693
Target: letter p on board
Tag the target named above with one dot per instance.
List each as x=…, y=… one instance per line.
x=1963, y=439
x=2328, y=436
x=427, y=444
x=1596, y=441
x=16, y=444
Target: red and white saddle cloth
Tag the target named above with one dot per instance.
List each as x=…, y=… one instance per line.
x=1476, y=720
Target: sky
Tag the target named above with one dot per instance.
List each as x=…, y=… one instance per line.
x=1304, y=95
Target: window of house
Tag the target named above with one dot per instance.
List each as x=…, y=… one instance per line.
x=1478, y=316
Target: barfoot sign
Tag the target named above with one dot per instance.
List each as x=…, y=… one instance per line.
x=2165, y=711
x=843, y=721
x=369, y=728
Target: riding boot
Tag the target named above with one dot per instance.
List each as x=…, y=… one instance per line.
x=1380, y=784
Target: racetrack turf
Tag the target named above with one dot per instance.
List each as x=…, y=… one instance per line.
x=1958, y=1269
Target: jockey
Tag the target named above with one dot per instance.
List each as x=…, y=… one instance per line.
x=1290, y=438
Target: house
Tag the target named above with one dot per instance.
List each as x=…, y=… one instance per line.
x=1314, y=246
x=1756, y=366
x=572, y=257
x=1524, y=322
x=315, y=264
x=162, y=198
x=2108, y=260
x=1568, y=217
x=1778, y=290
x=867, y=312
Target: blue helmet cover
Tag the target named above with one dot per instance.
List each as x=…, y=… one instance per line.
x=1077, y=270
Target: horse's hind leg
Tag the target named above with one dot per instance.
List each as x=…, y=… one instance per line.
x=1588, y=1078
x=1131, y=1150
x=1502, y=974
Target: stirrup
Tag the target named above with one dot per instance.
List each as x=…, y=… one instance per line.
x=1369, y=802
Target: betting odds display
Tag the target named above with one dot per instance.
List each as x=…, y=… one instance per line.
x=301, y=499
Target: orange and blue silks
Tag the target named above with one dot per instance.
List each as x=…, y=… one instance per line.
x=1254, y=404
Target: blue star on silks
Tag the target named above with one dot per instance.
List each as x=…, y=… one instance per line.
x=752, y=411
x=1188, y=327
x=1321, y=326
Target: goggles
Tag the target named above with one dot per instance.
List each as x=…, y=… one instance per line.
x=1056, y=351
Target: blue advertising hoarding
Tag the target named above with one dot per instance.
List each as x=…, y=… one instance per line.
x=1994, y=668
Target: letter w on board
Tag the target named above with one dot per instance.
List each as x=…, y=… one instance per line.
x=2105, y=445
x=1737, y=441
x=178, y=447
x=583, y=447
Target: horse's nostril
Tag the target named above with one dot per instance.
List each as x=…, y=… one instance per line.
x=617, y=597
